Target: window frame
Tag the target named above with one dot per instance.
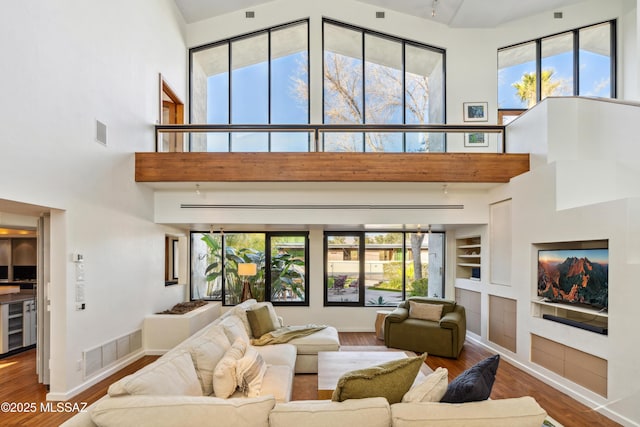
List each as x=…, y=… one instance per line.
x=228, y=42
x=575, y=32
x=404, y=43
x=361, y=265
x=267, y=255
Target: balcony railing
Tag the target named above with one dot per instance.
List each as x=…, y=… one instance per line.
x=433, y=138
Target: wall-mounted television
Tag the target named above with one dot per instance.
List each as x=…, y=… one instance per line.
x=574, y=276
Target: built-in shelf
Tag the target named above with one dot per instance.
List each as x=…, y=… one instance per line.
x=573, y=313
x=468, y=257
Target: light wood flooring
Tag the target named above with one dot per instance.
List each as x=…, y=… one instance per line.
x=18, y=383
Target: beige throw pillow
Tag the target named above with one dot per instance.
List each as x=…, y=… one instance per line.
x=431, y=389
x=224, y=375
x=250, y=371
x=206, y=352
x=425, y=311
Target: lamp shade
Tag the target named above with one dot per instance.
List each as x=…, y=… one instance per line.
x=247, y=269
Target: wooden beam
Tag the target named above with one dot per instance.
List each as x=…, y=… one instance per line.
x=329, y=167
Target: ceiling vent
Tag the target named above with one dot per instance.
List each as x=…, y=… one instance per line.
x=250, y=14
x=380, y=15
x=557, y=15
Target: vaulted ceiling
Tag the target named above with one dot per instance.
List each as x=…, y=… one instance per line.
x=455, y=13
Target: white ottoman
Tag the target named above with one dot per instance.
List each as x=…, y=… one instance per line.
x=308, y=347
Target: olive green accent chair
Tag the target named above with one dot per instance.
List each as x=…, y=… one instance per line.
x=438, y=338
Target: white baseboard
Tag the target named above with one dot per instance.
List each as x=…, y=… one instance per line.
x=57, y=397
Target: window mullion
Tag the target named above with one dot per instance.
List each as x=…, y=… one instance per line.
x=576, y=63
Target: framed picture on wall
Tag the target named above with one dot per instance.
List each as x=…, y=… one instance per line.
x=476, y=139
x=475, y=111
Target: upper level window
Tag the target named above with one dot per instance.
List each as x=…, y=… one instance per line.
x=260, y=78
x=371, y=78
x=578, y=62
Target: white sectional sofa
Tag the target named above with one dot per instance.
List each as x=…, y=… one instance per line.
x=181, y=389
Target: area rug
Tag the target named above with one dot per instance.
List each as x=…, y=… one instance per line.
x=550, y=422
x=305, y=386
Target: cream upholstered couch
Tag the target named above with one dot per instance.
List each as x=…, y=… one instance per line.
x=178, y=389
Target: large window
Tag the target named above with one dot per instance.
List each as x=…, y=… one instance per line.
x=270, y=266
x=260, y=78
x=371, y=78
x=382, y=268
x=578, y=62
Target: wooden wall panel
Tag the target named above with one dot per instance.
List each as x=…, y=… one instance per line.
x=582, y=368
x=503, y=321
x=470, y=300
x=329, y=167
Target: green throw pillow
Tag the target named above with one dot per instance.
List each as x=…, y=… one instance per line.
x=260, y=321
x=390, y=380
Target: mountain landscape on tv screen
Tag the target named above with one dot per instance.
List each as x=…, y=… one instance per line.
x=574, y=280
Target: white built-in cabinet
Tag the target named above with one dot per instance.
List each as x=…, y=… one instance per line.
x=17, y=325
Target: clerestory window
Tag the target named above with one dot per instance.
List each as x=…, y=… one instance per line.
x=373, y=78
x=258, y=78
x=580, y=62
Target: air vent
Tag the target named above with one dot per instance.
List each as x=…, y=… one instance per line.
x=101, y=132
x=107, y=354
x=380, y=15
x=557, y=15
x=250, y=14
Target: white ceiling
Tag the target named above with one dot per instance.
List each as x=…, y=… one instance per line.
x=454, y=13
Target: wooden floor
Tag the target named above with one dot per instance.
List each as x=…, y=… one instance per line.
x=18, y=384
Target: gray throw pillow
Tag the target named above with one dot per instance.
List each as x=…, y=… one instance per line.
x=474, y=384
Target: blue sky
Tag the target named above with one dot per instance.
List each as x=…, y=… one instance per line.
x=594, y=76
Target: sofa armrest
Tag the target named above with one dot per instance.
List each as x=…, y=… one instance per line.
x=452, y=320
x=398, y=315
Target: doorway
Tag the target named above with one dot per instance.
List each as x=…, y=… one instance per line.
x=171, y=113
x=25, y=256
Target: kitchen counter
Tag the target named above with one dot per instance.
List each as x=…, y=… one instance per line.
x=24, y=284
x=19, y=297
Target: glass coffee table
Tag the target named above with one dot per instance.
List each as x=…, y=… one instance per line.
x=333, y=364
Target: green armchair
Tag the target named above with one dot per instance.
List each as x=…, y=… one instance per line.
x=444, y=337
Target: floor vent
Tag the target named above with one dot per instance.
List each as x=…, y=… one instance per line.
x=105, y=355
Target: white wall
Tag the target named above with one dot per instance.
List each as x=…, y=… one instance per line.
x=589, y=142
x=66, y=64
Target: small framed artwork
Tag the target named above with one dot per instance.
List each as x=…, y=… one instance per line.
x=476, y=139
x=475, y=111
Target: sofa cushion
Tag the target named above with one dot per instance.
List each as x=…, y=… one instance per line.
x=371, y=412
x=323, y=340
x=521, y=412
x=170, y=411
x=425, y=311
x=240, y=310
x=260, y=321
x=224, y=375
x=206, y=352
x=390, y=380
x=278, y=354
x=234, y=328
x=431, y=389
x=277, y=382
x=250, y=370
x=473, y=384
x=172, y=374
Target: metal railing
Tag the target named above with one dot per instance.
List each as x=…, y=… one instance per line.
x=331, y=138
